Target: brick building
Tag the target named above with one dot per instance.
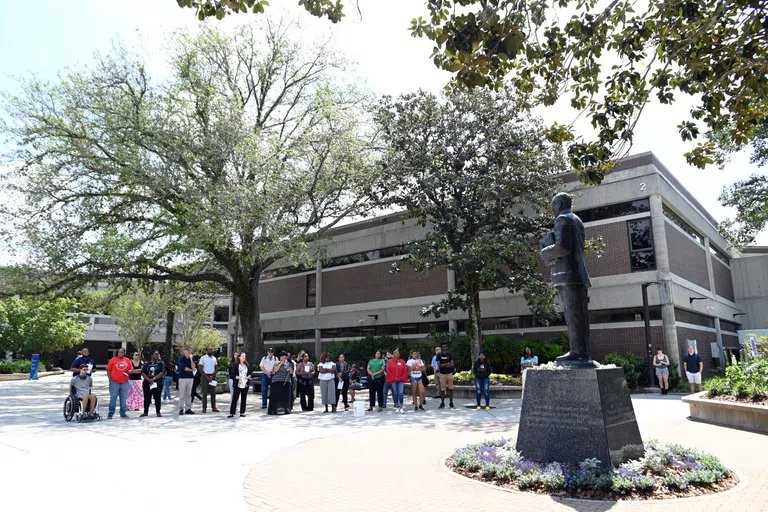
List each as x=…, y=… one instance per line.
x=654, y=231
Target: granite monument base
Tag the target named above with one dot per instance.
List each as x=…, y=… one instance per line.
x=578, y=413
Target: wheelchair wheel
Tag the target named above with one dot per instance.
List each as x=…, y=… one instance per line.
x=77, y=417
x=69, y=408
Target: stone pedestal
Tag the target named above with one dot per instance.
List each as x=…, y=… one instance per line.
x=576, y=414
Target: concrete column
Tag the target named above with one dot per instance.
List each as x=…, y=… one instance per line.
x=710, y=271
x=318, y=304
x=666, y=298
x=720, y=346
x=451, y=275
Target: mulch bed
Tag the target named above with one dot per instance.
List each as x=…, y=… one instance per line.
x=733, y=399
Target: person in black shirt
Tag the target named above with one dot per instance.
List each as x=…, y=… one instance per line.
x=482, y=370
x=693, y=367
x=446, y=365
x=196, y=381
x=153, y=373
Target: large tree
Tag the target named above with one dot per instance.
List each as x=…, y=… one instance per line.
x=480, y=173
x=608, y=59
x=249, y=150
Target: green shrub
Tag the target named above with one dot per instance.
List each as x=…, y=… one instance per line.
x=20, y=366
x=746, y=379
x=635, y=369
x=496, y=378
x=674, y=376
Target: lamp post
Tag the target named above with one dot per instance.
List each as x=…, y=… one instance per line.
x=647, y=320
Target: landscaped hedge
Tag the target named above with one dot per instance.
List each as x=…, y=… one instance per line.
x=503, y=353
x=636, y=370
x=21, y=366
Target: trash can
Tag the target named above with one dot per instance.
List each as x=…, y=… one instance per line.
x=359, y=409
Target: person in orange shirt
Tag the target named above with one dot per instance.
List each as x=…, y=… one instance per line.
x=397, y=376
x=118, y=371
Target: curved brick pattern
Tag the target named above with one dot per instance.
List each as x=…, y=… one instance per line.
x=415, y=470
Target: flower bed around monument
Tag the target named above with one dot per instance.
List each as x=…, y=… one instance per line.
x=665, y=471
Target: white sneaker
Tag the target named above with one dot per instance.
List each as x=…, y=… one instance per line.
x=402, y=411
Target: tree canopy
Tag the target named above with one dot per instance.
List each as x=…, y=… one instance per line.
x=254, y=147
x=605, y=57
x=481, y=174
x=30, y=325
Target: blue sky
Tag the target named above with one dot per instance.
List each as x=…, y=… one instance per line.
x=45, y=36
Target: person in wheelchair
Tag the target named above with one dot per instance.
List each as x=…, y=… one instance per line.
x=80, y=387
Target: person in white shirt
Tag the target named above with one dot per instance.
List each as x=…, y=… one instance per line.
x=208, y=365
x=418, y=372
x=267, y=366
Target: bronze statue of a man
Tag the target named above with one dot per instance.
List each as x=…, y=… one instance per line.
x=563, y=250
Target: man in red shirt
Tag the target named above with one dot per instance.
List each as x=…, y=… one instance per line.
x=118, y=371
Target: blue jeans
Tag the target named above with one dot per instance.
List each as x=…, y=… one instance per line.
x=386, y=393
x=167, y=387
x=397, y=393
x=116, y=390
x=265, y=382
x=483, y=386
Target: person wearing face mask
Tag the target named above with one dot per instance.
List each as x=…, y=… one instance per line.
x=81, y=387
x=153, y=373
x=83, y=359
x=208, y=365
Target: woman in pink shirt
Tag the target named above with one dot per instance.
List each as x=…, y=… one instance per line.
x=397, y=376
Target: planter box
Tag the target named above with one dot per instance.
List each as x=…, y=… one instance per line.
x=468, y=392
x=728, y=414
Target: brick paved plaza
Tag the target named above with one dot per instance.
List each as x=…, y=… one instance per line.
x=272, y=463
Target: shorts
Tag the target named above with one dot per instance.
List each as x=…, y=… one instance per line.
x=662, y=372
x=693, y=378
x=414, y=380
x=446, y=381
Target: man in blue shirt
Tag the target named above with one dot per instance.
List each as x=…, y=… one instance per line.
x=83, y=360
x=693, y=367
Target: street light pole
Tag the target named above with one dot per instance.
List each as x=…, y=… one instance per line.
x=647, y=320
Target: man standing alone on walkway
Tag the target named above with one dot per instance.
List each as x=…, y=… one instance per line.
x=445, y=361
x=267, y=365
x=118, y=371
x=187, y=369
x=208, y=365
x=436, y=367
x=693, y=367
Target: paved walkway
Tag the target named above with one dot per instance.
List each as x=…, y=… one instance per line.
x=273, y=463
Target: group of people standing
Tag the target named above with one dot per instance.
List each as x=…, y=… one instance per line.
x=284, y=378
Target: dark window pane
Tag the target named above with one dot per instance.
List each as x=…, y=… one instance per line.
x=221, y=314
x=311, y=290
x=689, y=317
x=642, y=260
x=615, y=210
x=729, y=326
x=640, y=235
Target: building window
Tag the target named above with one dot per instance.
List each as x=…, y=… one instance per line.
x=615, y=210
x=689, y=317
x=221, y=314
x=717, y=253
x=641, y=253
x=725, y=325
x=339, y=261
x=608, y=316
x=679, y=222
x=311, y=290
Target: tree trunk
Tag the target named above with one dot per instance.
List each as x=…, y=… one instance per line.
x=474, y=326
x=250, y=320
x=170, y=318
